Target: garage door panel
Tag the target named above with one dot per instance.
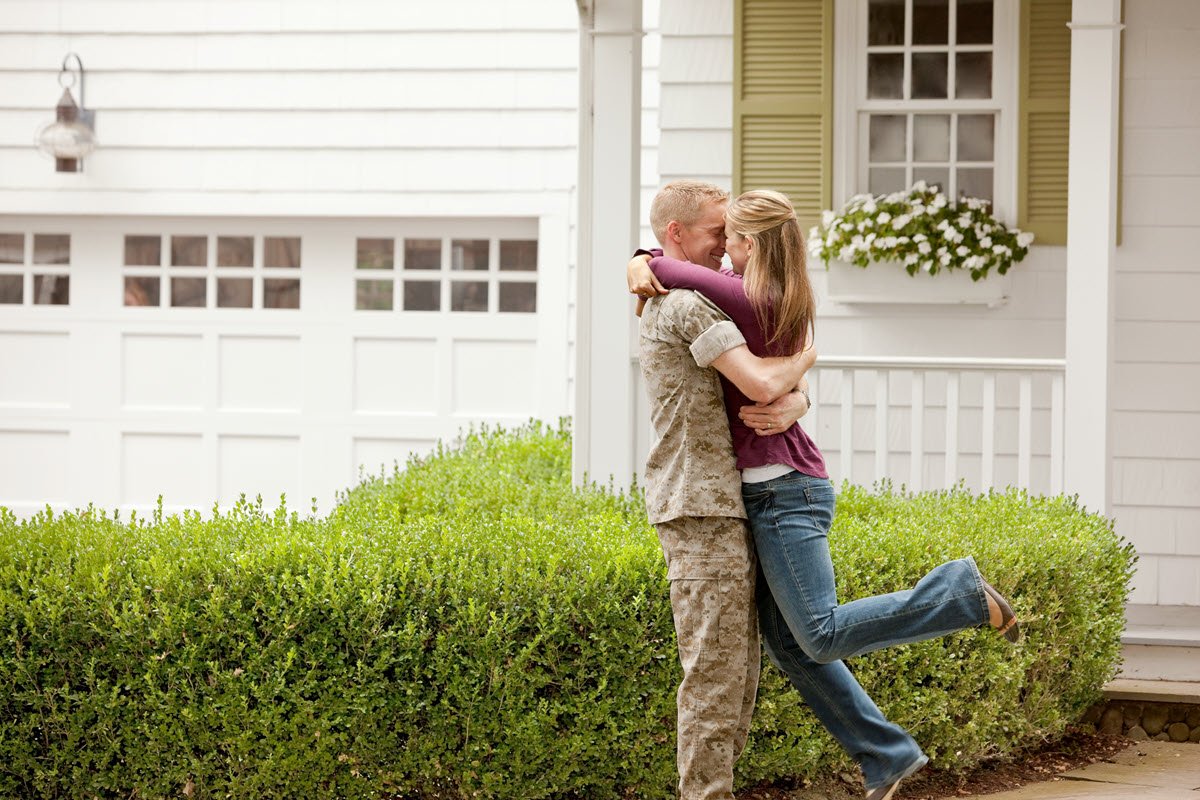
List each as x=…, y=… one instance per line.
x=34, y=469
x=266, y=465
x=261, y=373
x=173, y=465
x=494, y=378
x=162, y=371
x=35, y=369
x=395, y=376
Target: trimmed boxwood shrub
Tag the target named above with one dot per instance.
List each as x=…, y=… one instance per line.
x=473, y=626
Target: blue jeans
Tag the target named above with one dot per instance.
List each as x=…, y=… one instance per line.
x=807, y=633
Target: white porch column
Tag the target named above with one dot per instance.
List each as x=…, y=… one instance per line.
x=1091, y=242
x=609, y=187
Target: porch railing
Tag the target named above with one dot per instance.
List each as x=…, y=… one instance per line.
x=929, y=423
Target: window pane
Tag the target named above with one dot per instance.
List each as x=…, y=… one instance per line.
x=973, y=75
x=976, y=137
x=51, y=290
x=235, y=292
x=975, y=182
x=12, y=289
x=938, y=177
x=51, y=248
x=974, y=22
x=376, y=254
x=929, y=75
x=468, y=296
x=281, y=251
x=189, y=251
x=12, y=248
x=469, y=254
x=885, y=75
x=885, y=22
x=931, y=137
x=931, y=22
x=235, y=251
x=520, y=255
x=422, y=253
x=143, y=251
x=887, y=137
x=520, y=297
x=422, y=296
x=281, y=293
x=189, y=292
x=885, y=180
x=373, y=295
x=141, y=291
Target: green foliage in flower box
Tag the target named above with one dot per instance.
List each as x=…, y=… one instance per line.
x=474, y=627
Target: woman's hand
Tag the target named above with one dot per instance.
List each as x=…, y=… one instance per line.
x=772, y=418
x=641, y=278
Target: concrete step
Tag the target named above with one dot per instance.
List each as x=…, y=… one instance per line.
x=1161, y=643
x=1186, y=692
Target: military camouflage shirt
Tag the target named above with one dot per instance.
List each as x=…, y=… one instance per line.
x=691, y=470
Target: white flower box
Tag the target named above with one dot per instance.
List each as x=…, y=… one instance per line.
x=889, y=282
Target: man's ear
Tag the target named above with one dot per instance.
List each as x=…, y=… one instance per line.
x=673, y=231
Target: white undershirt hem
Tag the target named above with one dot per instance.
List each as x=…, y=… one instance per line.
x=766, y=472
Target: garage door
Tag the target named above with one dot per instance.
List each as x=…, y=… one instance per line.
x=203, y=359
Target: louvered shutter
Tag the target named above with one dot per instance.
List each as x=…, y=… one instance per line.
x=1044, y=119
x=783, y=101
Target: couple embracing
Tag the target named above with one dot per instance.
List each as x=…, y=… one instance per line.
x=742, y=503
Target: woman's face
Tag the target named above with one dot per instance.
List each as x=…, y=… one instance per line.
x=737, y=247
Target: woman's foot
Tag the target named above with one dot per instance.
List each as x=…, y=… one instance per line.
x=1001, y=614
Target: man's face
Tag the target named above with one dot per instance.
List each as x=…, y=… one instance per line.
x=703, y=242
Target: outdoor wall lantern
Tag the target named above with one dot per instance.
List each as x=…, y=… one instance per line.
x=72, y=135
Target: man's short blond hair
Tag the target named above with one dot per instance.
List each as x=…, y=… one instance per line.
x=684, y=202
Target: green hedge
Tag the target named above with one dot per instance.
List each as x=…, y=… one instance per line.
x=474, y=627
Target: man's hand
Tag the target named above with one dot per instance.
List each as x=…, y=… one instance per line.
x=767, y=419
x=641, y=278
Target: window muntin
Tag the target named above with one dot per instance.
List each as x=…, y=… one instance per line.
x=35, y=269
x=211, y=271
x=457, y=274
x=934, y=95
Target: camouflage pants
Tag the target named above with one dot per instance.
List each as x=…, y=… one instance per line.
x=711, y=567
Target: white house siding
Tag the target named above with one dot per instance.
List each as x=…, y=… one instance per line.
x=1156, y=444
x=331, y=120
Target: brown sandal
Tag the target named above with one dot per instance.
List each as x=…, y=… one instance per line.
x=1008, y=620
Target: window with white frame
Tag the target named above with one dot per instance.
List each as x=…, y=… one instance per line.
x=934, y=85
x=34, y=269
x=471, y=273
x=207, y=271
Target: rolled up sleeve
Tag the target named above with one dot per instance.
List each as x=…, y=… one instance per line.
x=718, y=339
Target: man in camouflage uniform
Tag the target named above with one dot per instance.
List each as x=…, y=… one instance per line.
x=694, y=497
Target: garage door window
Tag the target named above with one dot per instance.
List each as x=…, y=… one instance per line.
x=34, y=269
x=212, y=271
x=467, y=275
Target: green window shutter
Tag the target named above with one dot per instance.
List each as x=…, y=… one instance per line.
x=1044, y=119
x=783, y=101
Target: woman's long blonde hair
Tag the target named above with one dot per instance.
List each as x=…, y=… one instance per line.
x=776, y=273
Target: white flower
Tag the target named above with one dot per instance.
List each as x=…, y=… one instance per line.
x=862, y=226
x=974, y=262
x=899, y=222
x=827, y=218
x=927, y=266
x=964, y=221
x=845, y=254
x=919, y=186
x=985, y=242
x=1001, y=250
x=945, y=259
x=962, y=250
x=903, y=240
x=1024, y=239
x=924, y=248
x=939, y=201
x=883, y=217
x=847, y=226
x=869, y=206
x=911, y=258
x=920, y=237
x=919, y=210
